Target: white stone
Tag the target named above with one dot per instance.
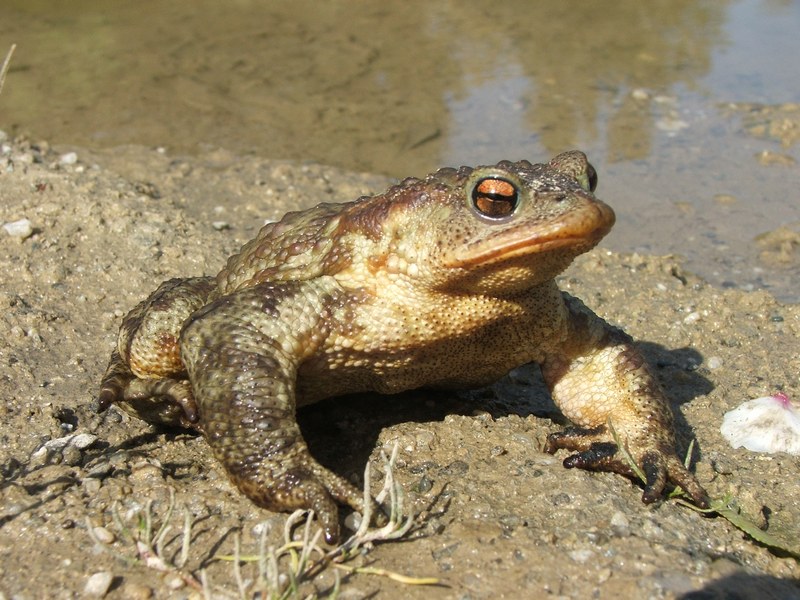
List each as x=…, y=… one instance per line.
x=19, y=229
x=98, y=584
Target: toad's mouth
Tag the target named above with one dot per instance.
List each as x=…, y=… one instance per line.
x=578, y=231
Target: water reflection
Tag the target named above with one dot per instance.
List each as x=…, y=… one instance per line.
x=581, y=61
x=402, y=88
x=393, y=88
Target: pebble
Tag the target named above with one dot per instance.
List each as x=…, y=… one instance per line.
x=691, y=318
x=98, y=584
x=146, y=472
x=620, y=524
x=352, y=521
x=80, y=441
x=768, y=158
x=671, y=124
x=715, y=362
x=581, y=556
x=220, y=225
x=174, y=582
x=21, y=229
x=136, y=591
x=103, y=535
x=69, y=158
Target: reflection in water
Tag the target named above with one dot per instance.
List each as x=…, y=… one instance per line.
x=403, y=88
x=392, y=88
x=583, y=59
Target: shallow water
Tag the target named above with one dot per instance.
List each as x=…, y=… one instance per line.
x=644, y=88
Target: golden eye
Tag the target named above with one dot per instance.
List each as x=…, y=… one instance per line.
x=495, y=198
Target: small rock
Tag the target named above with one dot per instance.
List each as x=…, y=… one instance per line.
x=581, y=556
x=715, y=362
x=146, y=472
x=561, y=499
x=103, y=535
x=457, y=468
x=91, y=486
x=671, y=124
x=691, y=318
x=80, y=441
x=768, y=158
x=71, y=456
x=353, y=521
x=424, y=485
x=722, y=464
x=173, y=582
x=98, y=584
x=220, y=225
x=69, y=158
x=21, y=229
x=136, y=591
x=620, y=524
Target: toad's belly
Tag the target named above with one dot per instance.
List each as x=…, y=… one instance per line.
x=455, y=365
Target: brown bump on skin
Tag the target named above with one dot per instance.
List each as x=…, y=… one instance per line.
x=377, y=263
x=162, y=360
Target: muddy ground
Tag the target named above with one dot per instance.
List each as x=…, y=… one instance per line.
x=497, y=516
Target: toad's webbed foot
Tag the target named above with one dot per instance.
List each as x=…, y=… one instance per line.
x=163, y=400
x=596, y=452
x=145, y=376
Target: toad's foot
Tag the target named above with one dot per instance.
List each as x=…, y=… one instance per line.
x=145, y=376
x=163, y=400
x=600, y=380
x=242, y=353
x=597, y=452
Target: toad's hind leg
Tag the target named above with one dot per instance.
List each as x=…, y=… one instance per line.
x=145, y=375
x=242, y=354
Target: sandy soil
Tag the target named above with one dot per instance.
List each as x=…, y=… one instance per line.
x=496, y=514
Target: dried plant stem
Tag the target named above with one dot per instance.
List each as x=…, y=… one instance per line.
x=4, y=68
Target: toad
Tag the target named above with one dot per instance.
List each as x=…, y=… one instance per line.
x=441, y=282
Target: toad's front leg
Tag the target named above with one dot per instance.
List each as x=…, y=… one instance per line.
x=598, y=378
x=242, y=353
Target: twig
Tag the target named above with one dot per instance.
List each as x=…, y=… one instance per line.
x=4, y=68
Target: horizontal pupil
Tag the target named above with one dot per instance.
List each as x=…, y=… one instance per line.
x=494, y=204
x=497, y=197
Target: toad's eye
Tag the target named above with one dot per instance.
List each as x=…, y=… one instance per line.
x=495, y=198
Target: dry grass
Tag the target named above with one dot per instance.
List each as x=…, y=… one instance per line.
x=4, y=68
x=281, y=572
